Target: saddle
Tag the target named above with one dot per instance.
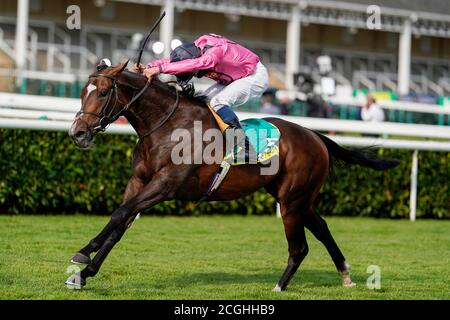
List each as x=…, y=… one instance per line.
x=262, y=135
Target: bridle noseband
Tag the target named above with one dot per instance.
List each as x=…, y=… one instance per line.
x=106, y=116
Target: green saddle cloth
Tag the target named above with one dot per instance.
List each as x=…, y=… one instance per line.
x=263, y=136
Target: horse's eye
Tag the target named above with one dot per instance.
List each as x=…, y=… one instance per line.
x=103, y=93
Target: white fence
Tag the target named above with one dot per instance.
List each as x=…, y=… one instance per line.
x=388, y=105
x=396, y=105
x=24, y=112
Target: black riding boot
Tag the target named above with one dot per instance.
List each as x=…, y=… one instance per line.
x=242, y=145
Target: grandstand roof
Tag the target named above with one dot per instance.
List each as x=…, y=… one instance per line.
x=430, y=17
x=418, y=6
x=437, y=10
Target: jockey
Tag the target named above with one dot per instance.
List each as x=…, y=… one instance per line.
x=238, y=73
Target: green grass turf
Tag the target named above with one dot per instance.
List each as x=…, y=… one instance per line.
x=222, y=258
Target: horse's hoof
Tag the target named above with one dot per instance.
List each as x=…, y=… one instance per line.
x=349, y=285
x=80, y=258
x=277, y=289
x=347, y=281
x=75, y=281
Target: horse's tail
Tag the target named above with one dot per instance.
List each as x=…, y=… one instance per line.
x=360, y=157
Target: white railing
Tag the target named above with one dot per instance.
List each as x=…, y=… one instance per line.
x=419, y=83
x=355, y=126
x=39, y=75
x=24, y=112
x=395, y=105
x=20, y=101
x=67, y=42
x=444, y=82
x=5, y=47
x=388, y=105
x=35, y=114
x=23, y=102
x=63, y=121
x=52, y=53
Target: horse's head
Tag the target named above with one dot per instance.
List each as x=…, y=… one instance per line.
x=100, y=103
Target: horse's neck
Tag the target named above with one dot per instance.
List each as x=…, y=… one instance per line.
x=155, y=105
x=144, y=114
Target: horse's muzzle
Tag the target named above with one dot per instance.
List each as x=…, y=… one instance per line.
x=81, y=136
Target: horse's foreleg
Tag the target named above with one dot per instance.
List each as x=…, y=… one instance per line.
x=153, y=193
x=320, y=230
x=134, y=187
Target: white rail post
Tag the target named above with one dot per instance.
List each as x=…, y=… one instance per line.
x=278, y=210
x=21, y=41
x=293, y=46
x=21, y=33
x=167, y=26
x=413, y=193
x=404, y=58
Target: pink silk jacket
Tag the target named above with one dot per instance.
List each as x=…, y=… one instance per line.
x=224, y=60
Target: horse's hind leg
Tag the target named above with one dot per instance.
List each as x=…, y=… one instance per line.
x=319, y=229
x=298, y=247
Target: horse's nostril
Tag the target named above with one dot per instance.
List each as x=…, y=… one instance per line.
x=80, y=134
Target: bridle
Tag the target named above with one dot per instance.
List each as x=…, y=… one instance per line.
x=106, y=116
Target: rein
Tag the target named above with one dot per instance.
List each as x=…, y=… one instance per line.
x=106, y=118
x=166, y=118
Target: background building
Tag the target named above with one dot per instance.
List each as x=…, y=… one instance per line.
x=410, y=54
x=323, y=56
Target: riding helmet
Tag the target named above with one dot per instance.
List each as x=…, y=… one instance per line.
x=183, y=52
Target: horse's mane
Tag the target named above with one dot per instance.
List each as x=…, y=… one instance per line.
x=190, y=95
x=200, y=99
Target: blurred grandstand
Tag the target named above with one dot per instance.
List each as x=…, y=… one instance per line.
x=408, y=59
x=323, y=58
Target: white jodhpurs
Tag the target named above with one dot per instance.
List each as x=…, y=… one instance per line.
x=239, y=91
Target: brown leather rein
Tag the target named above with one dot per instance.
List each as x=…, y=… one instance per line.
x=106, y=115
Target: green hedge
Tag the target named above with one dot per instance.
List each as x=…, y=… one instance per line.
x=44, y=173
x=358, y=191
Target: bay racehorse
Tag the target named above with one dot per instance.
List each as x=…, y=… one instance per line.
x=304, y=160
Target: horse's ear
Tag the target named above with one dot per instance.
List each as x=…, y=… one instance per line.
x=120, y=67
x=125, y=64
